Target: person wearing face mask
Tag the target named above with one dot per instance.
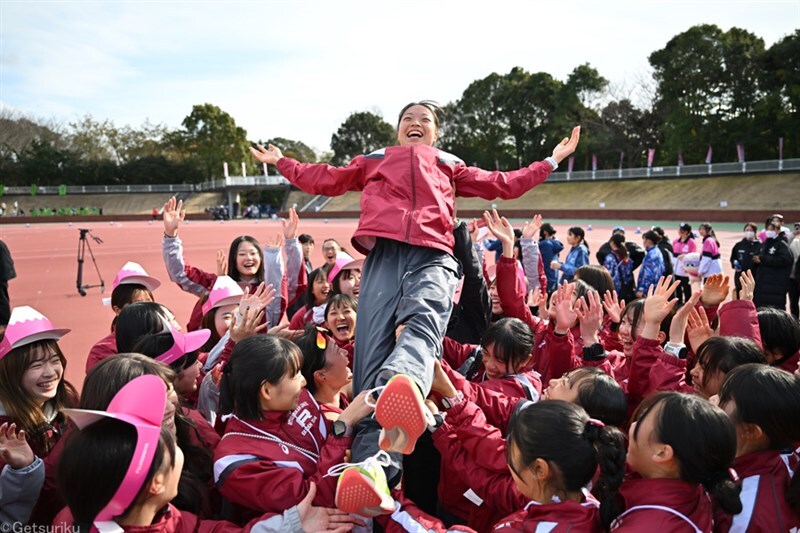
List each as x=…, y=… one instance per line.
x=794, y=277
x=743, y=252
x=774, y=262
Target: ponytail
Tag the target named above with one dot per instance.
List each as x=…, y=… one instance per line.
x=609, y=442
x=578, y=232
x=564, y=434
x=723, y=486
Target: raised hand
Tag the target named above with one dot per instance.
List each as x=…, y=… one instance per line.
x=222, y=263
x=715, y=290
x=501, y=229
x=531, y=229
x=565, y=148
x=590, y=316
x=474, y=230
x=536, y=297
x=269, y=155
x=276, y=242
x=613, y=306
x=250, y=324
x=748, y=285
x=261, y=297
x=14, y=447
x=173, y=216
x=698, y=330
x=658, y=304
x=562, y=308
x=290, y=227
x=677, y=328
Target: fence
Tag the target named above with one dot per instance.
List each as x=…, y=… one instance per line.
x=246, y=182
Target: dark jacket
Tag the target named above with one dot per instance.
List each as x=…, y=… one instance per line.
x=772, y=275
x=472, y=313
x=7, y=271
x=635, y=252
x=743, y=252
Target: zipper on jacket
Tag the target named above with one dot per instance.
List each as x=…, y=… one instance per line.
x=413, y=196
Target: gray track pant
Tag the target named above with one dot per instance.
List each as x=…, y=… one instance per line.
x=406, y=285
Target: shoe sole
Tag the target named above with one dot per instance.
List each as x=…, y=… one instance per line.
x=355, y=494
x=399, y=411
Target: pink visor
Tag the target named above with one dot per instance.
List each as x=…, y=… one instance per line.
x=140, y=403
x=26, y=326
x=491, y=273
x=132, y=273
x=183, y=343
x=225, y=292
x=344, y=262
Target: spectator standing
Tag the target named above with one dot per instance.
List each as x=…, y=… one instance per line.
x=743, y=252
x=794, y=278
x=774, y=267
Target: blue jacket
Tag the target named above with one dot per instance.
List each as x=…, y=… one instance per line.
x=576, y=258
x=621, y=273
x=652, y=269
x=549, y=250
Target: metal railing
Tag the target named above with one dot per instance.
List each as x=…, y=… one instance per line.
x=749, y=167
x=245, y=182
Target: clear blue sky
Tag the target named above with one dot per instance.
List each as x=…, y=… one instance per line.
x=298, y=69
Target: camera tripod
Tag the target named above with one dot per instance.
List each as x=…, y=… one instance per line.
x=83, y=245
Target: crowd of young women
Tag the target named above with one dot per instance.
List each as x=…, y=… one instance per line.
x=553, y=407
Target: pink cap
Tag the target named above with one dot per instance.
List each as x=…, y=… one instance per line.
x=27, y=325
x=225, y=292
x=140, y=403
x=183, y=344
x=133, y=273
x=344, y=262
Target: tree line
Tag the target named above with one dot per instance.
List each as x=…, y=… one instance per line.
x=710, y=89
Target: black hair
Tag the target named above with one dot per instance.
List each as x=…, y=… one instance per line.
x=123, y=295
x=309, y=294
x=432, y=106
x=636, y=310
x=562, y=434
x=659, y=230
x=702, y=438
x=600, y=395
x=94, y=462
x=652, y=236
x=313, y=355
x=709, y=230
x=769, y=398
x=751, y=225
x=233, y=272
x=780, y=333
x=111, y=374
x=136, y=320
x=581, y=288
x=305, y=238
x=335, y=287
x=340, y=300
x=597, y=277
x=255, y=360
x=156, y=344
x=578, y=232
x=546, y=228
x=723, y=354
x=688, y=229
x=619, y=241
x=512, y=341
